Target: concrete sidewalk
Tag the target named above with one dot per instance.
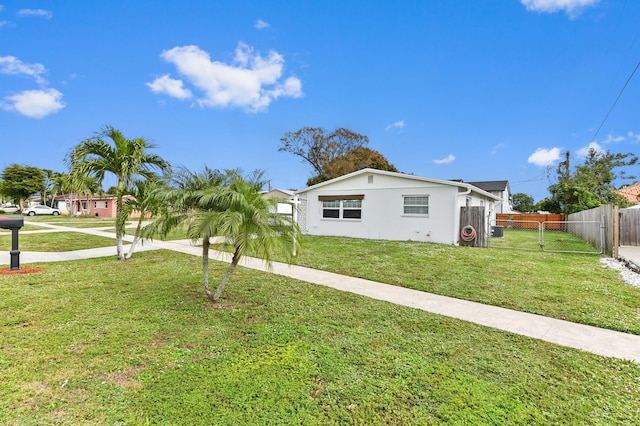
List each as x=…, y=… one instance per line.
x=630, y=255
x=592, y=339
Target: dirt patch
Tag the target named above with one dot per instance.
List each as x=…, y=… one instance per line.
x=125, y=378
x=23, y=270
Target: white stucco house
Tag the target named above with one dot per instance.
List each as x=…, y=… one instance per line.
x=376, y=204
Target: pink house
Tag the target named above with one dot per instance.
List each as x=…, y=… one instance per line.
x=101, y=205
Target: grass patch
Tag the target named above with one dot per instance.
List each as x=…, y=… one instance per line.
x=73, y=222
x=56, y=241
x=529, y=239
x=574, y=287
x=26, y=227
x=141, y=345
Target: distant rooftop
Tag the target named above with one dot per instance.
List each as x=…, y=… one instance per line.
x=631, y=193
x=491, y=185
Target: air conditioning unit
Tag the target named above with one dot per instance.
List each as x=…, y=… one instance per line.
x=497, y=231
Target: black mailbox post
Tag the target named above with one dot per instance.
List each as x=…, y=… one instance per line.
x=13, y=223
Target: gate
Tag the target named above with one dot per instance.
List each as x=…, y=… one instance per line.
x=630, y=227
x=551, y=236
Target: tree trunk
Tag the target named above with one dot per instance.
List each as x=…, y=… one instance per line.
x=205, y=267
x=119, y=222
x=232, y=267
x=119, y=245
x=136, y=238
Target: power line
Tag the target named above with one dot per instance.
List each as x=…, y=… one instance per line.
x=615, y=102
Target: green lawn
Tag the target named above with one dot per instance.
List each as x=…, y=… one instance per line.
x=141, y=345
x=55, y=241
x=575, y=287
x=553, y=240
x=73, y=222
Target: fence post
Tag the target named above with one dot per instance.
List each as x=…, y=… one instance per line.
x=616, y=231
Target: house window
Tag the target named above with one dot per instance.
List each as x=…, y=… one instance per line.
x=352, y=209
x=416, y=204
x=95, y=204
x=106, y=204
x=341, y=208
x=331, y=209
x=85, y=205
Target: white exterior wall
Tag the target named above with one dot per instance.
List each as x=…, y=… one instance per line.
x=382, y=210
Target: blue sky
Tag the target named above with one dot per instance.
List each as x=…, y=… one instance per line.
x=472, y=90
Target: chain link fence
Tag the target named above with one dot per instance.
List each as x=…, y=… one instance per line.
x=550, y=236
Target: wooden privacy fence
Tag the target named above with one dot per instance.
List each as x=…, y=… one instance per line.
x=630, y=227
x=608, y=217
x=528, y=220
x=472, y=226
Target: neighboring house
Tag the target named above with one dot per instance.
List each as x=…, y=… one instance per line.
x=102, y=205
x=377, y=204
x=499, y=188
x=631, y=193
x=286, y=197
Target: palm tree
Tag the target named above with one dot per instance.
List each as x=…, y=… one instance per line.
x=86, y=185
x=144, y=201
x=211, y=204
x=183, y=209
x=73, y=184
x=251, y=225
x=126, y=159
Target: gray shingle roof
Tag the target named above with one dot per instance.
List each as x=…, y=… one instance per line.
x=491, y=185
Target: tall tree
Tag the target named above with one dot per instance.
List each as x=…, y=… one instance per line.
x=109, y=152
x=318, y=147
x=590, y=184
x=64, y=184
x=357, y=159
x=522, y=202
x=21, y=182
x=83, y=185
x=47, y=184
x=210, y=204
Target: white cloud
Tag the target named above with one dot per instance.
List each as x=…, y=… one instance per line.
x=613, y=139
x=261, y=25
x=4, y=23
x=582, y=152
x=544, y=157
x=497, y=148
x=35, y=103
x=35, y=12
x=250, y=81
x=169, y=86
x=14, y=66
x=398, y=125
x=446, y=160
x=571, y=7
x=635, y=137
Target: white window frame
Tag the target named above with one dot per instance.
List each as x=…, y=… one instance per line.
x=341, y=206
x=415, y=204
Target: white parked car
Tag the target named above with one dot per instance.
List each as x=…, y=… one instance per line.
x=9, y=208
x=34, y=210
